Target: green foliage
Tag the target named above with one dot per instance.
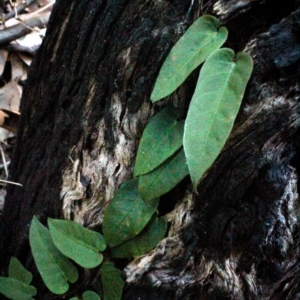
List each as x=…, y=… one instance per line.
x=161, y=138
x=162, y=179
x=55, y=268
x=17, y=285
x=112, y=282
x=88, y=295
x=202, y=38
x=16, y=289
x=213, y=108
x=127, y=214
x=130, y=224
x=18, y=272
x=143, y=242
x=76, y=242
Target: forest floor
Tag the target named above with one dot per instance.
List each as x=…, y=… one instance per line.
x=22, y=28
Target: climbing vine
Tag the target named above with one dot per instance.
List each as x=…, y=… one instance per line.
x=170, y=149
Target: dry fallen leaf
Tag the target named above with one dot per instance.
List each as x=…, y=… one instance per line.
x=3, y=58
x=30, y=40
x=5, y=134
x=19, y=69
x=27, y=59
x=3, y=115
x=9, y=120
x=10, y=96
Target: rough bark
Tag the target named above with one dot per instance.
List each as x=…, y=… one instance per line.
x=83, y=112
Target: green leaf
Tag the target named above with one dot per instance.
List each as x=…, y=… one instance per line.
x=76, y=242
x=53, y=266
x=162, y=179
x=16, y=289
x=18, y=272
x=202, y=38
x=161, y=139
x=89, y=295
x=127, y=214
x=144, y=242
x=112, y=282
x=214, y=107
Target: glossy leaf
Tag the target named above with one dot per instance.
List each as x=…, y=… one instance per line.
x=202, y=38
x=162, y=179
x=127, y=214
x=161, y=139
x=112, y=282
x=144, y=242
x=16, y=289
x=55, y=268
x=76, y=242
x=214, y=107
x=18, y=272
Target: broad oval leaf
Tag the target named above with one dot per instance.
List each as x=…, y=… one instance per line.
x=16, y=289
x=18, y=272
x=90, y=295
x=153, y=233
x=127, y=214
x=162, y=179
x=112, y=282
x=55, y=268
x=76, y=242
x=201, y=39
x=213, y=108
x=87, y=295
x=161, y=138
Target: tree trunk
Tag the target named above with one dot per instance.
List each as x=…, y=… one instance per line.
x=83, y=112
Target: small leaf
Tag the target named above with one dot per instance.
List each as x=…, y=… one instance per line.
x=214, y=107
x=161, y=138
x=16, y=289
x=153, y=233
x=18, y=272
x=127, y=214
x=112, y=282
x=53, y=266
x=202, y=38
x=89, y=295
x=162, y=179
x=76, y=242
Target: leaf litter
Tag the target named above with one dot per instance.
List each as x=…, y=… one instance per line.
x=22, y=28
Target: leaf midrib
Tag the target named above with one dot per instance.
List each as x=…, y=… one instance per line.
x=218, y=105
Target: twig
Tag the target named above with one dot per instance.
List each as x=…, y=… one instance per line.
x=2, y=165
x=10, y=182
x=14, y=32
x=19, y=9
x=4, y=161
x=19, y=48
x=41, y=9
